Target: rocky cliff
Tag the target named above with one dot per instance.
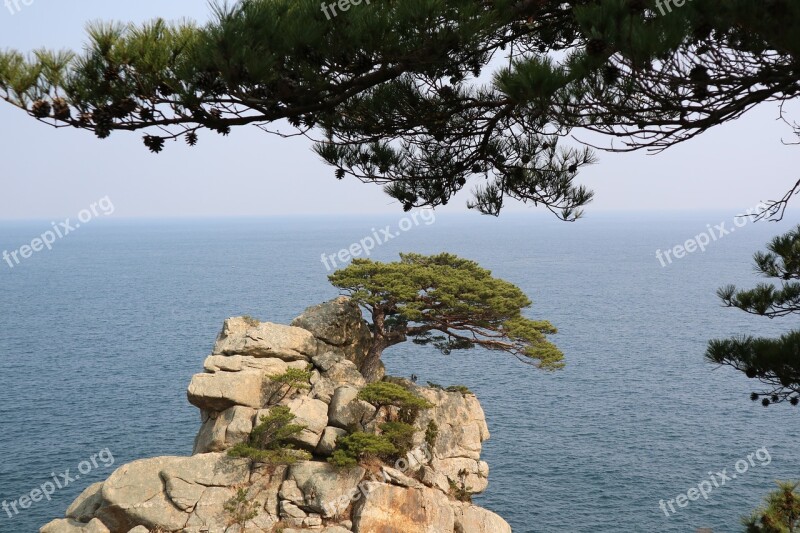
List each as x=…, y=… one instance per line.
x=427, y=490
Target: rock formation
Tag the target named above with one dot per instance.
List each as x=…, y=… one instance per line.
x=428, y=491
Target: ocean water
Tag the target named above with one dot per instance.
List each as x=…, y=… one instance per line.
x=100, y=336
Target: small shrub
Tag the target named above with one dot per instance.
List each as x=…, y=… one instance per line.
x=433, y=385
x=359, y=446
x=463, y=389
x=268, y=442
x=342, y=459
x=431, y=434
x=292, y=380
x=384, y=394
x=281, y=456
x=460, y=491
x=275, y=429
x=400, y=434
x=250, y=321
x=240, y=510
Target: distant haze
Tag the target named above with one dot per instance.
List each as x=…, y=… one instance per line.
x=48, y=173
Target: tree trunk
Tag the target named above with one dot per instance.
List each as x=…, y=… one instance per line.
x=372, y=367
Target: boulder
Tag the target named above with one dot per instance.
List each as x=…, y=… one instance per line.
x=187, y=481
x=389, y=508
x=222, y=390
x=339, y=324
x=396, y=477
x=68, y=525
x=339, y=369
x=224, y=430
x=327, y=444
x=134, y=495
x=461, y=422
x=164, y=491
x=347, y=411
x=473, y=519
x=86, y=505
x=308, y=412
x=270, y=366
x=323, y=484
x=322, y=388
x=239, y=336
x=265, y=484
x=292, y=493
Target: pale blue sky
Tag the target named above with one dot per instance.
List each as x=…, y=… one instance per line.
x=49, y=173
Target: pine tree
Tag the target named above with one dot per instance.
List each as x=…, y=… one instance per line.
x=780, y=514
x=445, y=301
x=391, y=89
x=774, y=362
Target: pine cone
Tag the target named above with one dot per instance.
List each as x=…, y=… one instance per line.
x=61, y=110
x=41, y=109
x=191, y=138
x=611, y=74
x=165, y=89
x=154, y=143
x=596, y=47
x=102, y=131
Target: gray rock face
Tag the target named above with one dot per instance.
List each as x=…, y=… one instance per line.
x=311, y=413
x=189, y=494
x=222, y=390
x=240, y=337
x=87, y=504
x=340, y=325
x=224, y=430
x=473, y=519
x=327, y=444
x=322, y=483
x=347, y=411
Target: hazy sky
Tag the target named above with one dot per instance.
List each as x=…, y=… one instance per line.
x=47, y=173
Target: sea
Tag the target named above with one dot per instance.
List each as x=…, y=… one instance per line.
x=100, y=335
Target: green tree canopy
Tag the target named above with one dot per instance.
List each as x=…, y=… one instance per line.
x=780, y=513
x=445, y=301
x=774, y=362
x=391, y=89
